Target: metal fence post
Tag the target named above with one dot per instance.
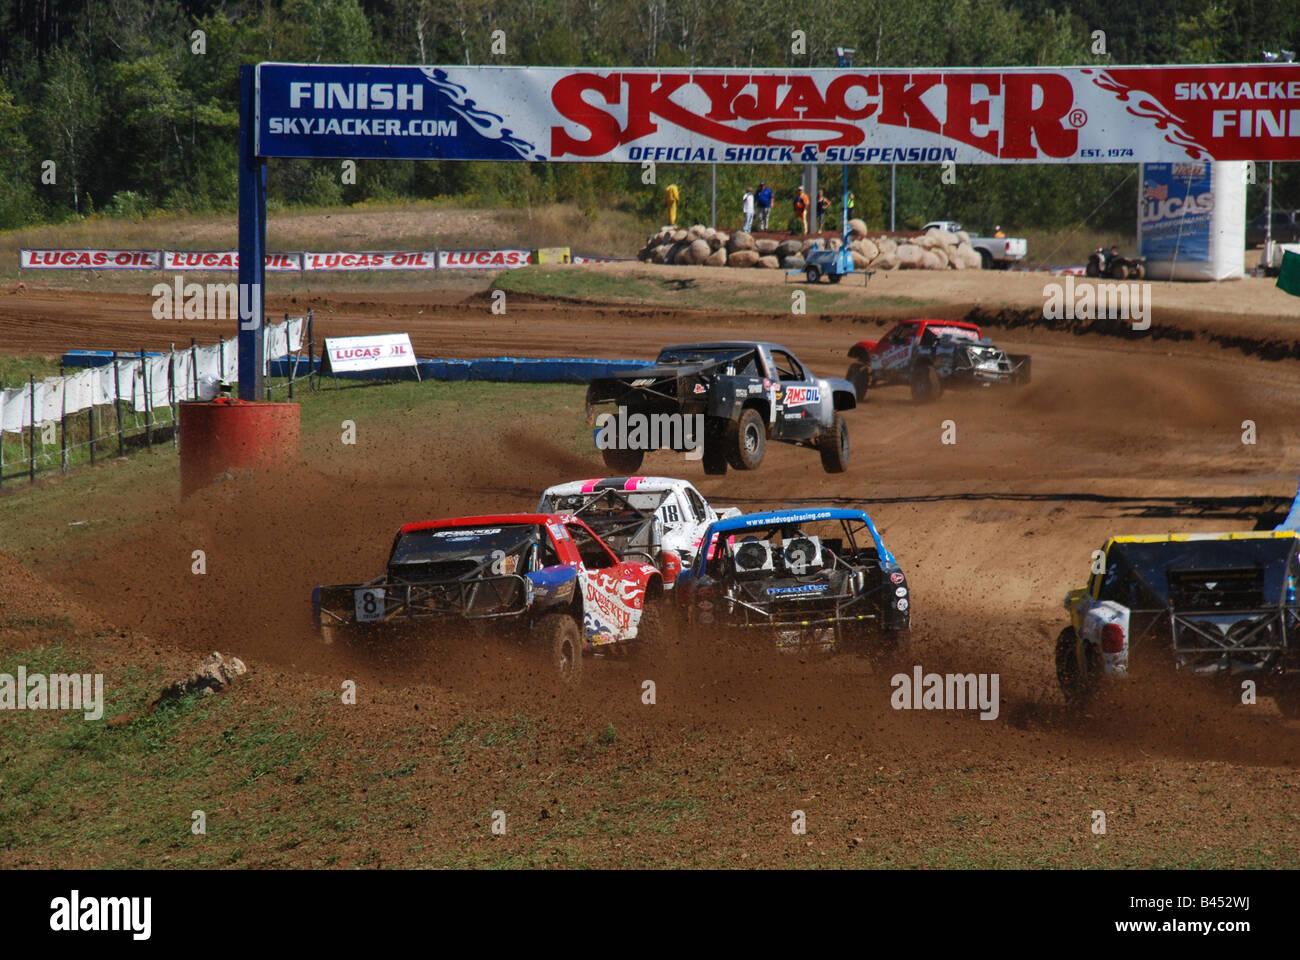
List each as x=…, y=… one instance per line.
x=171, y=389
x=31, y=428
x=311, y=352
x=148, y=401
x=90, y=428
x=2, y=444
x=63, y=427
x=117, y=405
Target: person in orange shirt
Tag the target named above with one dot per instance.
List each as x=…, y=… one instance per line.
x=801, y=207
x=997, y=232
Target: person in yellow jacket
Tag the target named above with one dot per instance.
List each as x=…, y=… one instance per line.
x=671, y=196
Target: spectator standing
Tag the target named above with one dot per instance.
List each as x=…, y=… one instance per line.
x=823, y=208
x=997, y=232
x=747, y=208
x=671, y=196
x=801, y=208
x=763, y=204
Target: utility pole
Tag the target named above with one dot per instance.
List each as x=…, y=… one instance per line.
x=1270, y=56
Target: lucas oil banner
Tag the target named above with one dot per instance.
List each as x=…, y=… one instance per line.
x=1192, y=220
x=683, y=115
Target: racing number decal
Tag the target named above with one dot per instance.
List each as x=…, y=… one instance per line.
x=672, y=514
x=369, y=603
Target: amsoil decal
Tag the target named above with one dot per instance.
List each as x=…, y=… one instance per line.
x=798, y=396
x=89, y=259
x=482, y=259
x=977, y=115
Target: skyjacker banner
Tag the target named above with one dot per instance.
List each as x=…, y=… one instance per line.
x=680, y=115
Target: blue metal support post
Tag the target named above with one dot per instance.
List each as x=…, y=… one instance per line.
x=252, y=241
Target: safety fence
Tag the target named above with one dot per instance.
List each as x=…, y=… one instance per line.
x=123, y=401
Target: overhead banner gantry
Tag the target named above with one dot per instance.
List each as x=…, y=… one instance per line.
x=1089, y=114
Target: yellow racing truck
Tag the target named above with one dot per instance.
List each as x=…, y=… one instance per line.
x=1218, y=605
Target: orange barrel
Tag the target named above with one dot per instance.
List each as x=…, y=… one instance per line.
x=228, y=434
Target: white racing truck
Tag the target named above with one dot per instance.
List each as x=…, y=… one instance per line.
x=996, y=253
x=659, y=520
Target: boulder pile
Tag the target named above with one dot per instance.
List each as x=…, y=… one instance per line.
x=700, y=245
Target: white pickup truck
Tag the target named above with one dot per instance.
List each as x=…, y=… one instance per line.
x=995, y=252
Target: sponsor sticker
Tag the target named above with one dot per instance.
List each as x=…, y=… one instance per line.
x=797, y=396
x=896, y=577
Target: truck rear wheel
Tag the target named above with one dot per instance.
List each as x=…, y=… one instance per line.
x=561, y=646
x=746, y=440
x=1077, y=681
x=834, y=448
x=926, y=386
x=623, y=462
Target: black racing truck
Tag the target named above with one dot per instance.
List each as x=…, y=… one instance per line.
x=728, y=398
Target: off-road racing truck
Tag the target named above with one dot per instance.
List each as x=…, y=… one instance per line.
x=660, y=520
x=541, y=578
x=817, y=580
x=1216, y=605
x=746, y=393
x=932, y=356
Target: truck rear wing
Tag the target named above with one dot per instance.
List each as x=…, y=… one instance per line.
x=385, y=601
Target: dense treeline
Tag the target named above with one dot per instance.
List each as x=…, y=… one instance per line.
x=113, y=92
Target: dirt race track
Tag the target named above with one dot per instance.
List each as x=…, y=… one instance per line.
x=1115, y=435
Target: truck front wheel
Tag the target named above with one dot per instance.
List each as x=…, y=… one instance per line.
x=561, y=646
x=859, y=374
x=1077, y=680
x=834, y=448
x=926, y=386
x=746, y=440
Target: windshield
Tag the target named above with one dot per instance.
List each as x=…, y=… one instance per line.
x=807, y=544
x=959, y=333
x=462, y=543
x=690, y=354
x=603, y=504
x=1153, y=562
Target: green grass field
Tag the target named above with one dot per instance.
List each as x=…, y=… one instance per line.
x=690, y=294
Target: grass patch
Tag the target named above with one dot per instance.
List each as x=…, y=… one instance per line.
x=692, y=294
x=60, y=507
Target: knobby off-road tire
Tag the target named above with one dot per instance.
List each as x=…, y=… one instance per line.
x=560, y=641
x=834, y=448
x=1077, y=686
x=746, y=440
x=926, y=385
x=813, y=274
x=656, y=636
x=859, y=375
x=623, y=462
